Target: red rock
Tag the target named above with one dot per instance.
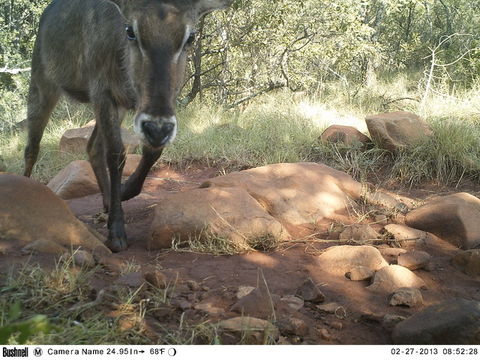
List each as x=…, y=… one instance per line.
x=298, y=193
x=393, y=277
x=228, y=213
x=397, y=130
x=454, y=218
x=30, y=211
x=342, y=259
x=74, y=181
x=76, y=140
x=347, y=135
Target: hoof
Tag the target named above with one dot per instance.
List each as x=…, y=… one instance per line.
x=117, y=245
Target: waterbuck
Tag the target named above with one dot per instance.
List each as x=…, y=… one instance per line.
x=116, y=55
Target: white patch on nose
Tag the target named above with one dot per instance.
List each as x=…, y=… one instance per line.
x=176, y=56
x=172, y=120
x=137, y=125
x=142, y=117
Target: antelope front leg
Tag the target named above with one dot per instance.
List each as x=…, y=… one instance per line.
x=109, y=126
x=134, y=184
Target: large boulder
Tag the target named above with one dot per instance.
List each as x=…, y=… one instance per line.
x=454, y=218
x=347, y=135
x=298, y=193
x=30, y=211
x=396, y=130
x=226, y=213
x=77, y=179
x=451, y=322
x=343, y=259
x=76, y=140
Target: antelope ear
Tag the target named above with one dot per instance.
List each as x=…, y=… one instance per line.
x=205, y=6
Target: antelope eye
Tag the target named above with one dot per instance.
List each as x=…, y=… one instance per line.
x=191, y=38
x=130, y=32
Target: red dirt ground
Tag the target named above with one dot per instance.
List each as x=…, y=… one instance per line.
x=284, y=269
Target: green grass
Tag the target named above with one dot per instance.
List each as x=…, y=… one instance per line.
x=62, y=298
x=281, y=127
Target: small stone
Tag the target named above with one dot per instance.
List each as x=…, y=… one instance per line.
x=209, y=306
x=293, y=302
x=134, y=279
x=381, y=219
x=469, y=262
x=128, y=322
x=406, y=297
x=391, y=254
x=257, y=303
x=244, y=291
x=360, y=232
x=393, y=277
x=110, y=264
x=347, y=135
x=389, y=321
x=414, y=260
x=193, y=285
x=84, y=259
x=76, y=180
x=156, y=278
x=360, y=273
x=324, y=333
x=310, y=292
x=404, y=234
x=44, y=246
x=333, y=308
x=247, y=329
x=339, y=260
x=181, y=304
x=283, y=341
x=337, y=325
x=293, y=326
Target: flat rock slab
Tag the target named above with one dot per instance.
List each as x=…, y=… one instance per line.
x=454, y=218
x=393, y=277
x=342, y=259
x=297, y=193
x=451, y=322
x=347, y=135
x=396, y=130
x=30, y=211
x=226, y=213
x=76, y=140
x=77, y=179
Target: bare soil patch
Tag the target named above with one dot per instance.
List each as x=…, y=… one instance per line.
x=206, y=285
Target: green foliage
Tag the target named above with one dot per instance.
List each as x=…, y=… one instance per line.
x=22, y=331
